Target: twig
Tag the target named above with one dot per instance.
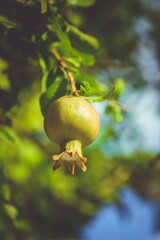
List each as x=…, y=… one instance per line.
x=70, y=76
x=122, y=106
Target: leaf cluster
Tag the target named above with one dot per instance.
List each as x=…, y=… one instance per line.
x=61, y=48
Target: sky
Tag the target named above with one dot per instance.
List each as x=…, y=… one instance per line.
x=136, y=221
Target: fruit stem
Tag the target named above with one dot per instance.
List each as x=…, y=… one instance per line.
x=64, y=66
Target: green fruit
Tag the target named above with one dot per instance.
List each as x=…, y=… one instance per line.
x=73, y=123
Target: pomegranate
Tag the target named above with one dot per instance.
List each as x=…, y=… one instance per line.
x=73, y=123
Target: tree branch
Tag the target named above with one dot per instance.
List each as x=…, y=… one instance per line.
x=63, y=65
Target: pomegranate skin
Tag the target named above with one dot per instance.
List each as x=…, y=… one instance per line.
x=71, y=118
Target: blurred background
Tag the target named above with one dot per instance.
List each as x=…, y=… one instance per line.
x=118, y=198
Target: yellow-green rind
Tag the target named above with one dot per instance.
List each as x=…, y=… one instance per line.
x=71, y=118
x=73, y=123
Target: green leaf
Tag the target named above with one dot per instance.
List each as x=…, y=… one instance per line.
x=57, y=89
x=64, y=72
x=73, y=60
x=46, y=60
x=73, y=69
x=108, y=110
x=22, y=224
x=7, y=133
x=66, y=45
x=117, y=116
x=43, y=6
x=84, y=87
x=82, y=41
x=48, y=79
x=120, y=87
x=58, y=47
x=5, y=191
x=115, y=109
x=100, y=98
x=96, y=87
x=85, y=58
x=81, y=3
x=11, y=210
x=44, y=36
x=111, y=107
x=8, y=23
x=4, y=80
x=42, y=63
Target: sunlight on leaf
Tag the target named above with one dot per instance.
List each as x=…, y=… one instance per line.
x=11, y=210
x=81, y=3
x=73, y=60
x=100, y=98
x=5, y=191
x=61, y=35
x=43, y=6
x=8, y=23
x=4, y=81
x=83, y=41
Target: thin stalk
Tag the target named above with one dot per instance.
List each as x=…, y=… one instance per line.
x=64, y=66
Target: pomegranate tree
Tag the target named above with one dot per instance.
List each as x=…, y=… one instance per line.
x=73, y=123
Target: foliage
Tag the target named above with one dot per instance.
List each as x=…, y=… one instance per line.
x=46, y=51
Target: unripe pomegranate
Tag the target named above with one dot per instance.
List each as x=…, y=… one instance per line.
x=73, y=123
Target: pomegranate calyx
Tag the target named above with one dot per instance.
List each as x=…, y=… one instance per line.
x=72, y=155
